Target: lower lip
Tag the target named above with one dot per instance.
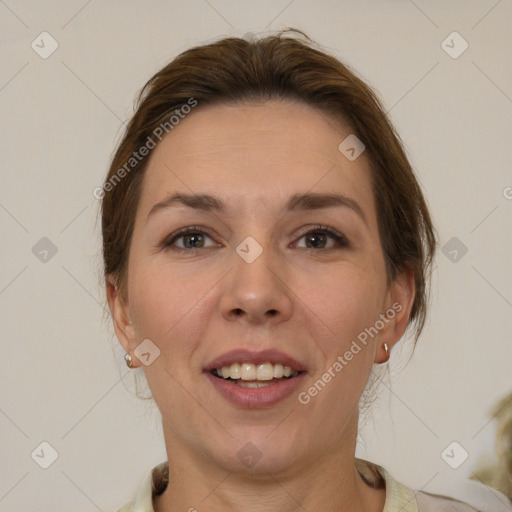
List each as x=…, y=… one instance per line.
x=256, y=397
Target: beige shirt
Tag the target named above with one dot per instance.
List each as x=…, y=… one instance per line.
x=399, y=498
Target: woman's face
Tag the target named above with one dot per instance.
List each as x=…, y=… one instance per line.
x=281, y=274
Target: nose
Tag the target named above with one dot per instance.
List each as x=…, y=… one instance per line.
x=257, y=292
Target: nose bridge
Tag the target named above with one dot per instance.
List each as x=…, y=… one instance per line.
x=256, y=285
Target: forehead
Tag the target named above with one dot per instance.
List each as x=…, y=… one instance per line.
x=255, y=152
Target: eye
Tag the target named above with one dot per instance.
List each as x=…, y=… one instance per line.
x=318, y=237
x=193, y=238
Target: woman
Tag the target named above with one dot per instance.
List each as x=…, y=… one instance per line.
x=265, y=245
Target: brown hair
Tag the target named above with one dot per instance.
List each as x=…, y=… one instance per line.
x=283, y=66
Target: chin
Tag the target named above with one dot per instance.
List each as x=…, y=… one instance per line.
x=259, y=454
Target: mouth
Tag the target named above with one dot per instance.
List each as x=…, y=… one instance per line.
x=255, y=379
x=248, y=375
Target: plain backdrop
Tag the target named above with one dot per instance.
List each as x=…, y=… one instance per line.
x=63, y=381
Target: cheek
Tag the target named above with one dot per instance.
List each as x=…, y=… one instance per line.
x=339, y=309
x=168, y=304
x=169, y=308
x=347, y=299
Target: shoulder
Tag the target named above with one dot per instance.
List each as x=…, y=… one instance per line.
x=154, y=484
x=470, y=496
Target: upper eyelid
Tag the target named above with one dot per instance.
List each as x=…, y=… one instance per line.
x=188, y=231
x=169, y=241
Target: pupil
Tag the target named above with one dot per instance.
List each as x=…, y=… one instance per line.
x=196, y=237
x=314, y=237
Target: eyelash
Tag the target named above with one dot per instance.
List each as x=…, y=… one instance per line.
x=167, y=243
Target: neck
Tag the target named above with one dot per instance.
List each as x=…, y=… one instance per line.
x=330, y=482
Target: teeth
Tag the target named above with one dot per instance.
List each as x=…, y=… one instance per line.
x=248, y=371
x=265, y=372
x=234, y=371
x=278, y=371
x=253, y=384
x=251, y=372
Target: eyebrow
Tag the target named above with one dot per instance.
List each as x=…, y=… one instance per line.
x=305, y=201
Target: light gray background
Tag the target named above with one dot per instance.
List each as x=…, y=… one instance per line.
x=63, y=380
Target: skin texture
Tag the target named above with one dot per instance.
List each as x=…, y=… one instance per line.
x=309, y=302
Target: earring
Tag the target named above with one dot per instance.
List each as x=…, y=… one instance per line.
x=386, y=349
x=128, y=360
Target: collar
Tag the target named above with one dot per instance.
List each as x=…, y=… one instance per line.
x=398, y=496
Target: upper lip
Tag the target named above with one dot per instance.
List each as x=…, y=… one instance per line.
x=248, y=356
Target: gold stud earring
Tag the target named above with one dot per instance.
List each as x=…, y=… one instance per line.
x=386, y=349
x=128, y=360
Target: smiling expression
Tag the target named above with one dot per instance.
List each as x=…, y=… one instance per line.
x=256, y=245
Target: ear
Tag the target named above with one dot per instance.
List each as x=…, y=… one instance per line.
x=119, y=309
x=398, y=305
